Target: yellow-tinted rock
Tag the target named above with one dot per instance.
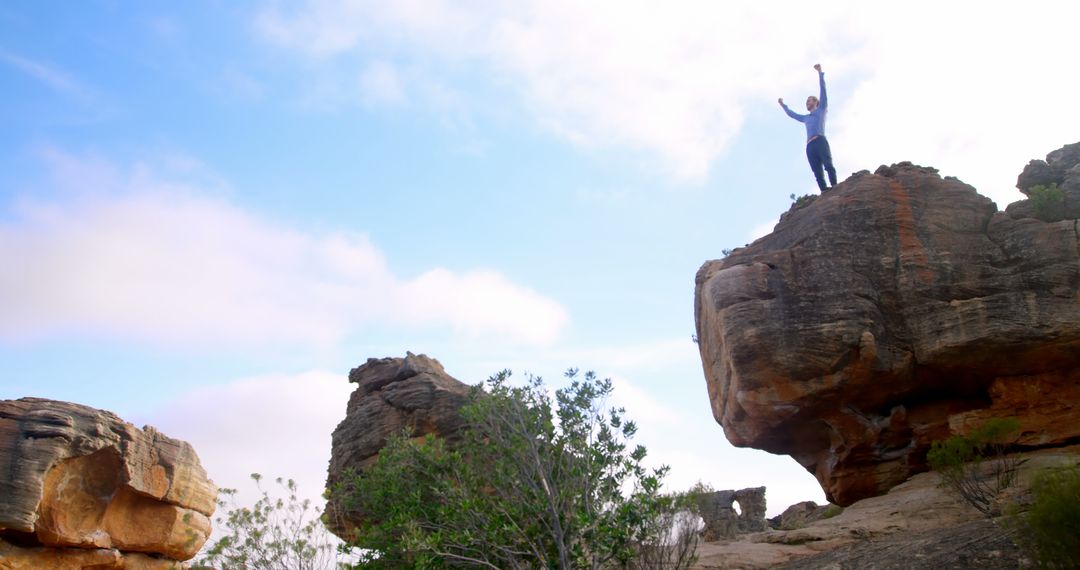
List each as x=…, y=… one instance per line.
x=38, y=558
x=142, y=524
x=73, y=476
x=136, y=561
x=77, y=493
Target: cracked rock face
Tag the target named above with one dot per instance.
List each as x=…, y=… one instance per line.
x=894, y=310
x=81, y=488
x=413, y=395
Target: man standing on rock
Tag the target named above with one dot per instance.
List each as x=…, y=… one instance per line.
x=817, y=148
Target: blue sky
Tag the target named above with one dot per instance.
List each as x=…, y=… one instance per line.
x=210, y=211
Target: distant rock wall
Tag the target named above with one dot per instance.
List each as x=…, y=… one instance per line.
x=721, y=519
x=894, y=310
x=81, y=488
x=413, y=395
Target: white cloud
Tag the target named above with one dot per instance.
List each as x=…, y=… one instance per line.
x=975, y=92
x=641, y=405
x=977, y=95
x=275, y=425
x=381, y=84
x=671, y=81
x=149, y=257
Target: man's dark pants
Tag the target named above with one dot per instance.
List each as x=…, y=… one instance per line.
x=819, y=155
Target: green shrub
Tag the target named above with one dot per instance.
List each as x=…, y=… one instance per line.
x=535, y=482
x=976, y=466
x=1048, y=201
x=1049, y=528
x=273, y=534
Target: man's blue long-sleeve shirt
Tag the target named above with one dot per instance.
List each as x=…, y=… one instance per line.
x=815, y=121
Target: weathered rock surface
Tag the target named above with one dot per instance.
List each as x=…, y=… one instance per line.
x=917, y=524
x=80, y=486
x=14, y=557
x=393, y=395
x=1061, y=168
x=722, y=521
x=799, y=515
x=894, y=310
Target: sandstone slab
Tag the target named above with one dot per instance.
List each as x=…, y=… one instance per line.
x=84, y=483
x=889, y=312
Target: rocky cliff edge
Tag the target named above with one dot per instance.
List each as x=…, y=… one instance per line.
x=894, y=310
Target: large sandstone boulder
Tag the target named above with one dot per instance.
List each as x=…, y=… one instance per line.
x=894, y=310
x=411, y=395
x=81, y=488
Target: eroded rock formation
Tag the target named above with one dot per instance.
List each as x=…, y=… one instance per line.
x=721, y=519
x=413, y=395
x=81, y=488
x=1061, y=169
x=894, y=310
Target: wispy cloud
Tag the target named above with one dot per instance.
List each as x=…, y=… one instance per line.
x=677, y=82
x=56, y=79
x=670, y=82
x=150, y=257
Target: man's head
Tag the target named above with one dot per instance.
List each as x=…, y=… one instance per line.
x=811, y=103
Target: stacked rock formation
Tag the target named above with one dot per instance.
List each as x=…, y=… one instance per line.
x=1060, y=170
x=81, y=488
x=895, y=310
x=411, y=395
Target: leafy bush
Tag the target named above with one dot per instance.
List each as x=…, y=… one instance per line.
x=1049, y=527
x=534, y=482
x=273, y=534
x=1048, y=201
x=976, y=466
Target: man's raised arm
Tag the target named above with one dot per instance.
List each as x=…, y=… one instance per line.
x=823, y=100
x=790, y=113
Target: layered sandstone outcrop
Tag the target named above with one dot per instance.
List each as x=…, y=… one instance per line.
x=411, y=395
x=81, y=488
x=896, y=309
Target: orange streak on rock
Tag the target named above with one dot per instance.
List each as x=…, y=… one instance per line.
x=912, y=250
